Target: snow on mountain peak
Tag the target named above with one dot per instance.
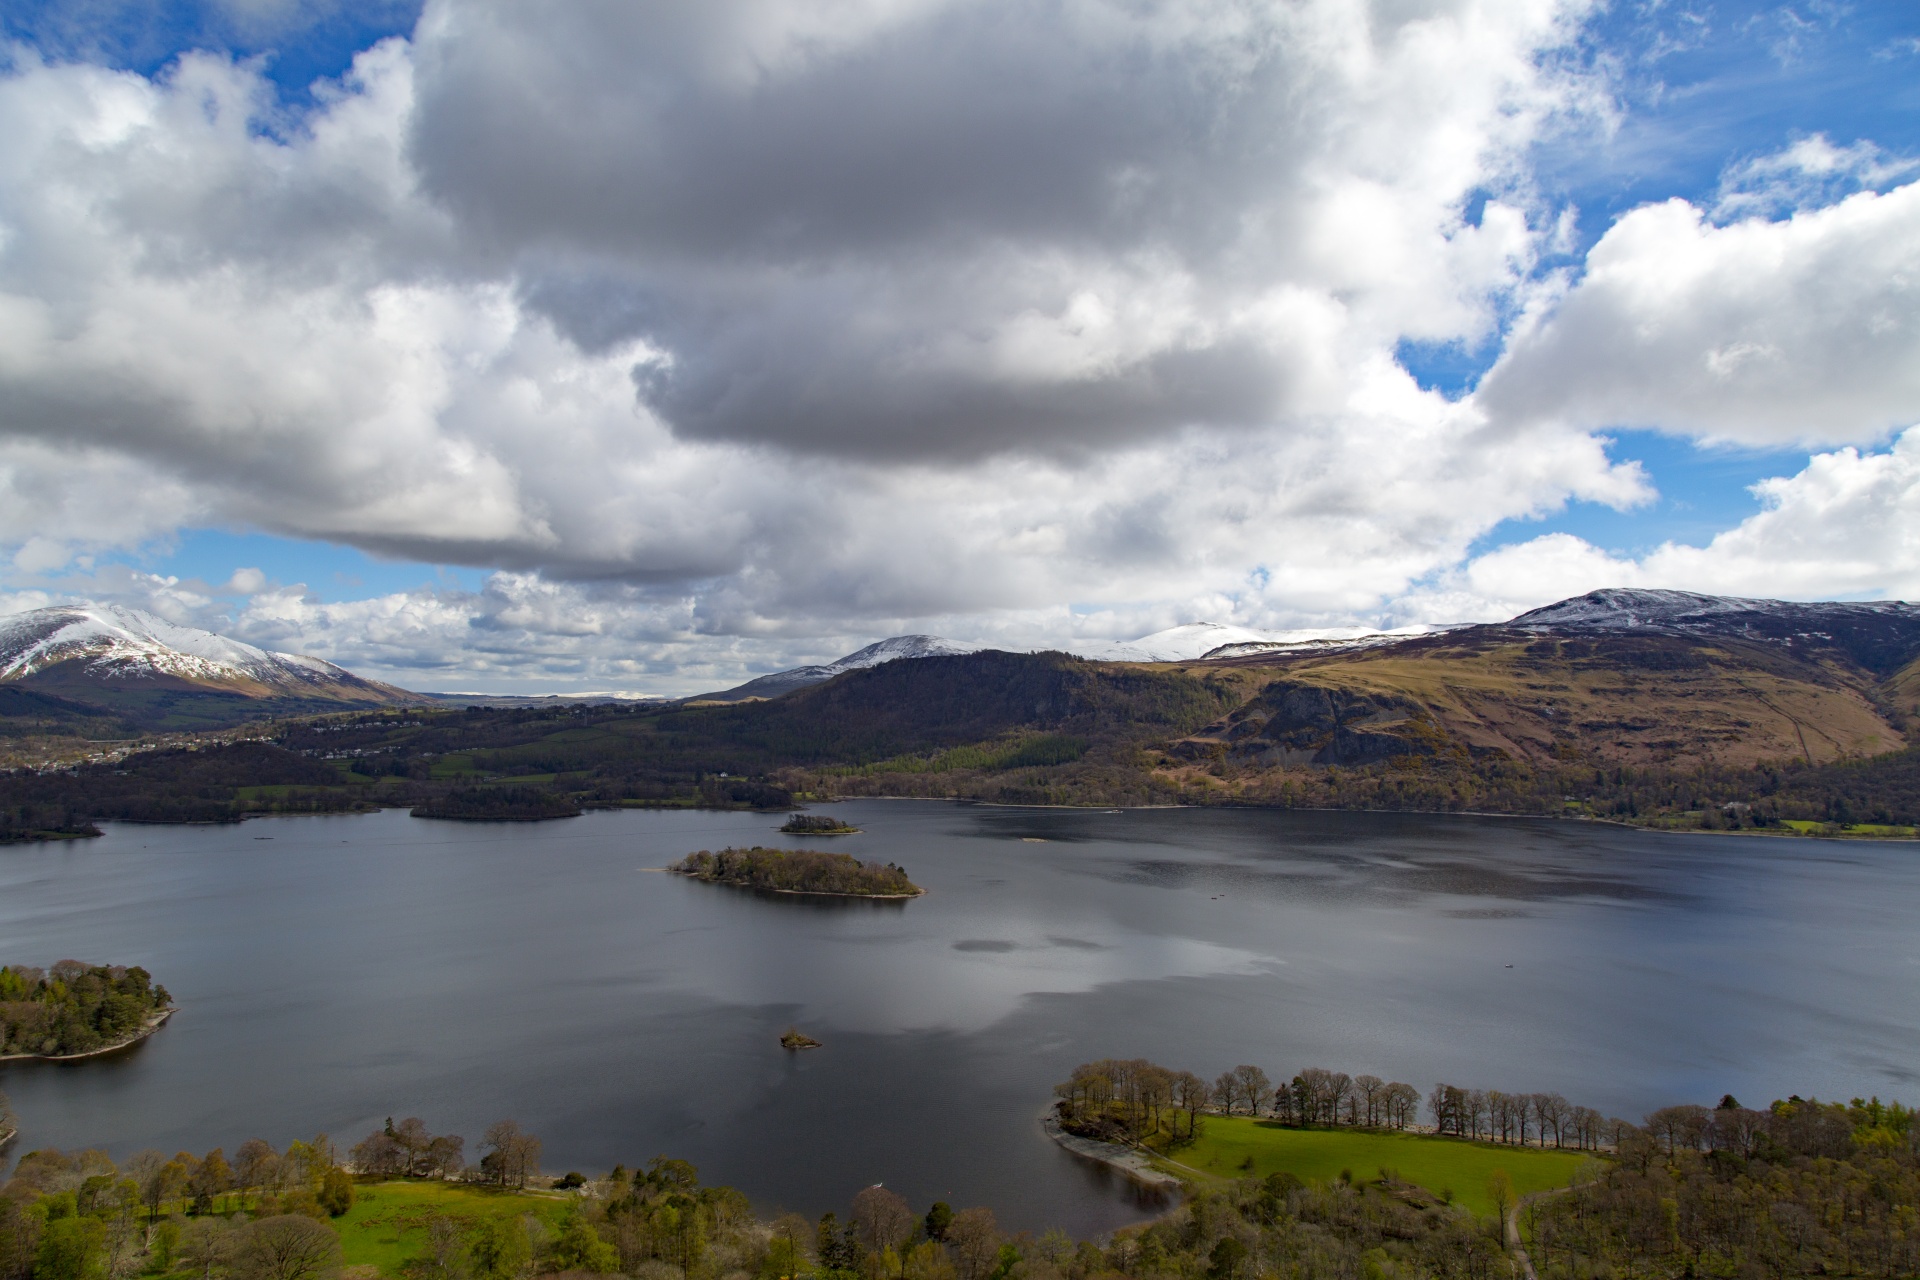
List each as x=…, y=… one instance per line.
x=895, y=647
x=1625, y=609
x=114, y=641
x=1196, y=640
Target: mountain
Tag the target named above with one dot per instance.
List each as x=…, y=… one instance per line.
x=154, y=673
x=1186, y=643
x=883, y=651
x=1878, y=636
x=1203, y=639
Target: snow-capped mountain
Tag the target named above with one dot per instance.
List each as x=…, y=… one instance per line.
x=1186, y=643
x=1621, y=609
x=111, y=645
x=1197, y=640
x=1880, y=636
x=889, y=650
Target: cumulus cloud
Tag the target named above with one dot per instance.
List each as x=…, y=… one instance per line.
x=1847, y=526
x=733, y=335
x=1800, y=330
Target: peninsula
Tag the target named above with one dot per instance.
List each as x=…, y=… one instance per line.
x=810, y=871
x=77, y=1010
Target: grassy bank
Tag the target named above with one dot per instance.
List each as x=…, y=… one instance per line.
x=1239, y=1147
x=388, y=1221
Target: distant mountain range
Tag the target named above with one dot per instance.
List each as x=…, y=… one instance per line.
x=1660, y=707
x=1188, y=643
x=75, y=662
x=83, y=665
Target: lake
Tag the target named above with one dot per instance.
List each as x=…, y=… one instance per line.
x=333, y=971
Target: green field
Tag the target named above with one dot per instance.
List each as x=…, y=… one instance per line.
x=1227, y=1143
x=387, y=1224
x=1875, y=829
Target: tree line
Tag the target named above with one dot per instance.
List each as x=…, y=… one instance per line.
x=74, y=1007
x=1799, y=1188
x=1132, y=1100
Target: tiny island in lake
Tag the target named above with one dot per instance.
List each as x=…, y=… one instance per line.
x=813, y=871
x=76, y=1010
x=818, y=824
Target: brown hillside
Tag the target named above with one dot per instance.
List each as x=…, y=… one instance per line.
x=1626, y=699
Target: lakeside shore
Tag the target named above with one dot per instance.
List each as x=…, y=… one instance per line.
x=1123, y=1159
x=152, y=1024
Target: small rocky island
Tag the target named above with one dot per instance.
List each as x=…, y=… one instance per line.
x=818, y=824
x=75, y=1010
x=813, y=871
x=795, y=1038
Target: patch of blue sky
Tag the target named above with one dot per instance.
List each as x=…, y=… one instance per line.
x=1702, y=492
x=1705, y=86
x=330, y=571
x=297, y=41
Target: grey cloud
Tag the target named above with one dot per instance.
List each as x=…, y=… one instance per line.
x=829, y=232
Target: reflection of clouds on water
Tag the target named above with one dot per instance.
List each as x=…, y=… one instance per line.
x=961, y=962
x=1344, y=879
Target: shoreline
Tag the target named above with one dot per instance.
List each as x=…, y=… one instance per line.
x=801, y=893
x=153, y=1025
x=1124, y=1160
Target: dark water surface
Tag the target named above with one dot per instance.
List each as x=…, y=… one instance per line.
x=334, y=971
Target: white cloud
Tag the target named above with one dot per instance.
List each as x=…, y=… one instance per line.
x=734, y=335
x=1847, y=526
x=1803, y=330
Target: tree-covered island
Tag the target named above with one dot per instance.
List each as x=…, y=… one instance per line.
x=799, y=871
x=76, y=1008
x=818, y=824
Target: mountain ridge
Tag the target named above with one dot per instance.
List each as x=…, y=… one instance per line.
x=134, y=664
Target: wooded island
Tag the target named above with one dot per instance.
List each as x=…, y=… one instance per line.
x=818, y=824
x=799, y=871
x=76, y=1008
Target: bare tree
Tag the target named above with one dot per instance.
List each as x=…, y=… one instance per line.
x=1552, y=1114
x=1681, y=1127
x=253, y=1165
x=289, y=1247
x=1190, y=1094
x=1253, y=1086
x=1226, y=1091
x=1369, y=1092
x=512, y=1156
x=1402, y=1103
x=975, y=1240
x=882, y=1218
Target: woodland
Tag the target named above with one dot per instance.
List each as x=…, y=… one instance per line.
x=74, y=1007
x=1801, y=1188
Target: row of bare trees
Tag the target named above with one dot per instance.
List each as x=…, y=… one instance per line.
x=1520, y=1118
x=1132, y=1099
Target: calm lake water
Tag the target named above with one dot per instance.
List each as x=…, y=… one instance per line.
x=334, y=971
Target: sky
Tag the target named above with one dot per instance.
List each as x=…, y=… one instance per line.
x=642, y=346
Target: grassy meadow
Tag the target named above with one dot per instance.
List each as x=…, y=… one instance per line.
x=387, y=1224
x=1241, y=1147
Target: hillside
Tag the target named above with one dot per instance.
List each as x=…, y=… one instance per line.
x=1648, y=707
x=105, y=671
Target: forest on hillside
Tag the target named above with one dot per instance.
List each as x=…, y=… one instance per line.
x=1007, y=728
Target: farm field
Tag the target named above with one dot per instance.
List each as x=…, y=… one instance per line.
x=1241, y=1147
